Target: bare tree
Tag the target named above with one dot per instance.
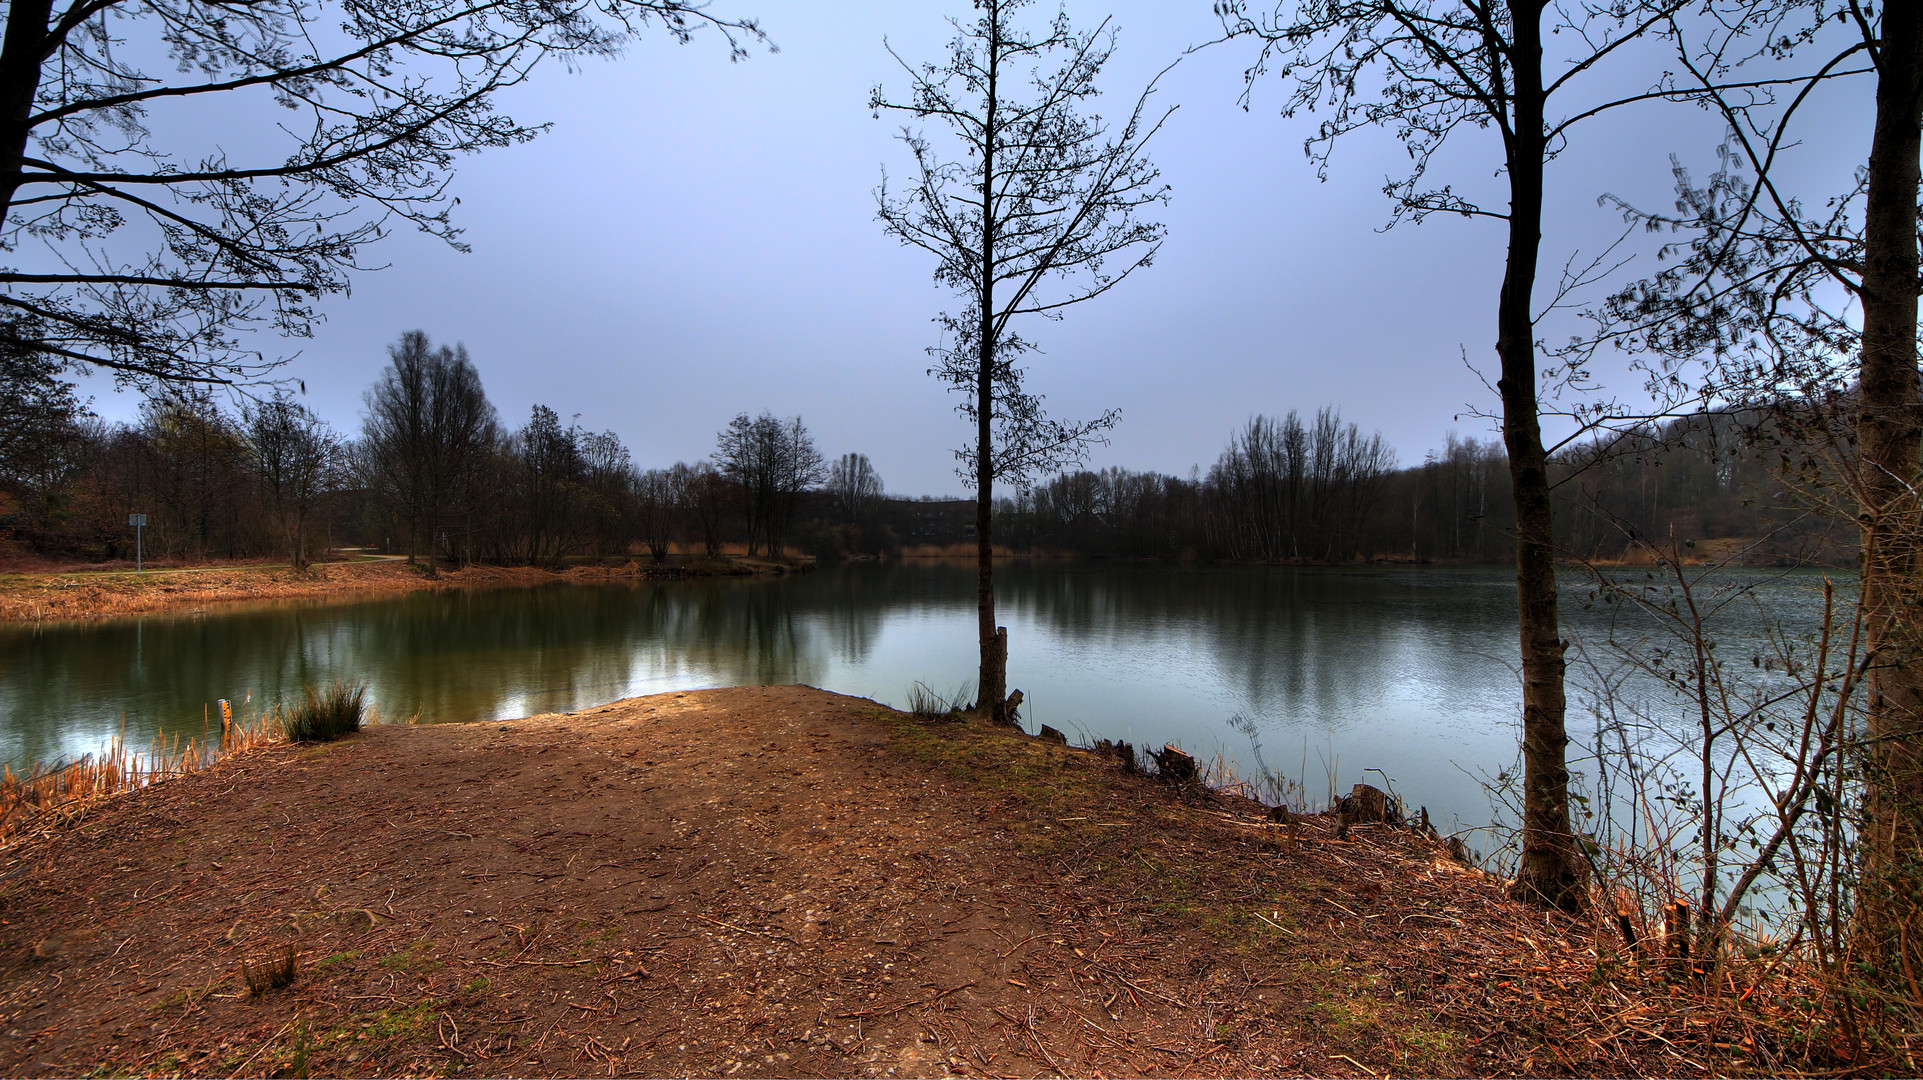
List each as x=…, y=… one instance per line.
x=1755, y=292
x=702, y=491
x=771, y=461
x=148, y=257
x=1426, y=69
x=297, y=461
x=854, y=486
x=658, y=504
x=1033, y=214
x=425, y=438
x=199, y=472
x=545, y=491
x=607, y=471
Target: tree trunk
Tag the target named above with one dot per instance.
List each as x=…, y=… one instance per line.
x=993, y=678
x=20, y=58
x=1889, y=905
x=1550, y=871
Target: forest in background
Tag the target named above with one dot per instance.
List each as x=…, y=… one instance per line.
x=434, y=469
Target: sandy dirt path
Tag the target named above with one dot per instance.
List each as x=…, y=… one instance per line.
x=746, y=882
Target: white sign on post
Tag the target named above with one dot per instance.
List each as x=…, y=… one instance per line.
x=137, y=520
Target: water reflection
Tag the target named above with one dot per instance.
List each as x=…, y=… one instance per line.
x=1405, y=670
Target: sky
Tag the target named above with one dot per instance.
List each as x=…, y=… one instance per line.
x=696, y=238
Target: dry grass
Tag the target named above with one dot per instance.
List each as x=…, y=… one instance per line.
x=109, y=594
x=272, y=973
x=47, y=793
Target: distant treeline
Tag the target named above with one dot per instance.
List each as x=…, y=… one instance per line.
x=1322, y=492
x=434, y=471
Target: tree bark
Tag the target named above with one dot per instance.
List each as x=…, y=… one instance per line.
x=993, y=677
x=1889, y=909
x=1550, y=871
x=21, y=55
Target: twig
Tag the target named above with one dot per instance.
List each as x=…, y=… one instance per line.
x=1352, y=1061
x=241, y=1070
x=1137, y=986
x=1019, y=944
x=1035, y=1038
x=893, y=1009
x=545, y=963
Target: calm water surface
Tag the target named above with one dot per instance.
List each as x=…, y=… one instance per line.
x=1409, y=671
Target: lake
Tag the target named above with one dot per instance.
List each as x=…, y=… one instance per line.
x=1315, y=674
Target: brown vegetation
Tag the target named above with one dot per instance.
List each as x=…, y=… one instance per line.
x=95, y=594
x=782, y=881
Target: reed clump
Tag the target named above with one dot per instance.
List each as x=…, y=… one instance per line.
x=273, y=973
x=27, y=798
x=927, y=703
x=326, y=715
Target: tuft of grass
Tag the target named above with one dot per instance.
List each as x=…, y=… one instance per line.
x=271, y=974
x=927, y=703
x=326, y=715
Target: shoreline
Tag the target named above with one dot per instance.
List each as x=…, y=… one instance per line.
x=101, y=594
x=781, y=881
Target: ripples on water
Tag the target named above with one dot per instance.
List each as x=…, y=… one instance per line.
x=1405, y=670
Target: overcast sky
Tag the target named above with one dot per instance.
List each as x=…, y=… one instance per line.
x=696, y=239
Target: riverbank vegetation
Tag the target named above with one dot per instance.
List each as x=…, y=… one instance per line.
x=119, y=590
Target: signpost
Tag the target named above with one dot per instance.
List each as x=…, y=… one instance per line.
x=137, y=521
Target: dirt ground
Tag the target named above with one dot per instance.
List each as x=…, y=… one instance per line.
x=32, y=597
x=762, y=882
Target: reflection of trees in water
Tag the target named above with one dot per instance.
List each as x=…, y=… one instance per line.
x=444, y=656
x=68, y=689
x=1302, y=645
x=744, y=631
x=845, y=608
x=572, y=646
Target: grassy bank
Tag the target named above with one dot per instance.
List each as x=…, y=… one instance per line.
x=786, y=882
x=83, y=594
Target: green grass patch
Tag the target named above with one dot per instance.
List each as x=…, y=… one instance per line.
x=413, y=958
x=326, y=715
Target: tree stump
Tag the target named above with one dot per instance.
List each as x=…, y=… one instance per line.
x=1049, y=734
x=1175, y=766
x=1676, y=937
x=1365, y=804
x=1120, y=751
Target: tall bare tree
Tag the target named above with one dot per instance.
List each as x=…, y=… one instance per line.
x=133, y=250
x=658, y=504
x=297, y=460
x=1427, y=69
x=855, y=487
x=1755, y=293
x=1038, y=209
x=772, y=461
x=701, y=490
x=425, y=439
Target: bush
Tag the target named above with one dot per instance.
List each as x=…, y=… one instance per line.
x=326, y=716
